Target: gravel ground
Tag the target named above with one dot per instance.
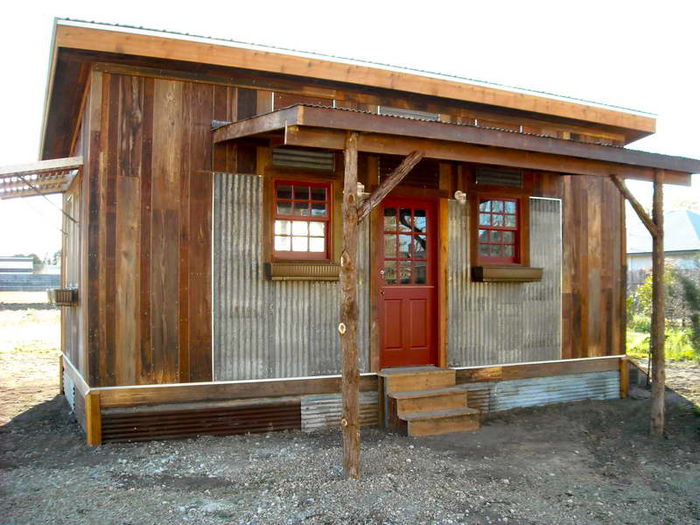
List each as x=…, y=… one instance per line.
x=589, y=462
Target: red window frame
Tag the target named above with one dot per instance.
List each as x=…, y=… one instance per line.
x=295, y=201
x=499, y=229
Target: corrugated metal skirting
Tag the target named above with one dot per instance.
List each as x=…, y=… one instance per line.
x=496, y=323
x=324, y=411
x=269, y=329
x=518, y=393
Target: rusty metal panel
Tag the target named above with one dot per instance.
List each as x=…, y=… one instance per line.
x=497, y=323
x=268, y=329
x=324, y=411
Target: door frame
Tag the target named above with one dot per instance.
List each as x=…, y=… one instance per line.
x=376, y=237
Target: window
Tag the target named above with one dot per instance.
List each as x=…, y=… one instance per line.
x=499, y=230
x=302, y=220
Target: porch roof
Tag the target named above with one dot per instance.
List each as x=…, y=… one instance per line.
x=325, y=127
x=38, y=178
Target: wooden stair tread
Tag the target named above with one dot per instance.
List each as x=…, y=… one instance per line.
x=411, y=394
x=412, y=371
x=440, y=414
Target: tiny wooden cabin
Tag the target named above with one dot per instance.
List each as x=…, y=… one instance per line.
x=202, y=184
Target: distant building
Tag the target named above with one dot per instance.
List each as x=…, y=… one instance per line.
x=681, y=242
x=14, y=264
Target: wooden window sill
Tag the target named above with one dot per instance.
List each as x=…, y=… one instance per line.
x=509, y=274
x=302, y=271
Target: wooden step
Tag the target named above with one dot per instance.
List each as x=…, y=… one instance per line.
x=416, y=401
x=442, y=422
x=417, y=378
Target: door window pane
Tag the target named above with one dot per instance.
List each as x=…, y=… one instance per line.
x=405, y=272
x=419, y=246
x=390, y=272
x=389, y=245
x=421, y=274
x=404, y=246
x=404, y=220
x=390, y=219
x=420, y=221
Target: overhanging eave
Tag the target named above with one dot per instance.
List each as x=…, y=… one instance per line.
x=321, y=127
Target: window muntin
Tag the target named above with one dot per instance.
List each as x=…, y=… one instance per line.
x=498, y=230
x=301, y=221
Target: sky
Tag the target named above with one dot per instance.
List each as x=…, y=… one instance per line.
x=635, y=54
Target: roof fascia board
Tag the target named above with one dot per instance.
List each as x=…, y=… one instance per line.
x=198, y=50
x=51, y=74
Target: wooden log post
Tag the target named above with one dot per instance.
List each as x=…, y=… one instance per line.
x=347, y=328
x=658, y=301
x=655, y=225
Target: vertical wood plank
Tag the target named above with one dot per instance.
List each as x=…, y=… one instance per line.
x=624, y=377
x=93, y=419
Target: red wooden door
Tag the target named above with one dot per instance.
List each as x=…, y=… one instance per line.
x=406, y=273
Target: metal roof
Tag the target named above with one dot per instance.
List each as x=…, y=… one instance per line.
x=339, y=59
x=38, y=178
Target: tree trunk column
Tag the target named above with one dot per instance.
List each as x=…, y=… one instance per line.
x=658, y=295
x=347, y=328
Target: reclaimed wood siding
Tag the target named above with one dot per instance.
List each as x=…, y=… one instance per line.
x=150, y=228
x=72, y=343
x=594, y=273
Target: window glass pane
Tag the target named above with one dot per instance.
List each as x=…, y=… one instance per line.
x=510, y=221
x=404, y=246
x=497, y=220
x=484, y=219
x=284, y=191
x=318, y=209
x=317, y=244
x=390, y=219
x=282, y=244
x=495, y=236
x=404, y=220
x=484, y=250
x=497, y=206
x=510, y=207
x=421, y=272
x=301, y=192
x=300, y=244
x=300, y=228
x=485, y=206
x=420, y=221
x=318, y=194
x=317, y=229
x=301, y=208
x=495, y=250
x=283, y=227
x=508, y=237
x=284, y=208
x=483, y=235
x=508, y=250
x=390, y=272
x=419, y=245
x=389, y=245
x=405, y=272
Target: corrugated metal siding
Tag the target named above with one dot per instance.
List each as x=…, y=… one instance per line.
x=265, y=329
x=539, y=391
x=324, y=411
x=496, y=323
x=69, y=390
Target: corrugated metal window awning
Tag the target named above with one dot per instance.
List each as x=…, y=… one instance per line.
x=43, y=177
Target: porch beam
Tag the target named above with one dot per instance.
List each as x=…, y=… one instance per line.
x=42, y=166
x=459, y=152
x=350, y=382
x=655, y=225
x=389, y=183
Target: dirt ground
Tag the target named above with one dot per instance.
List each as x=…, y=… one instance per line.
x=587, y=462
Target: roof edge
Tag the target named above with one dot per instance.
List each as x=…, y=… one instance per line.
x=142, y=42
